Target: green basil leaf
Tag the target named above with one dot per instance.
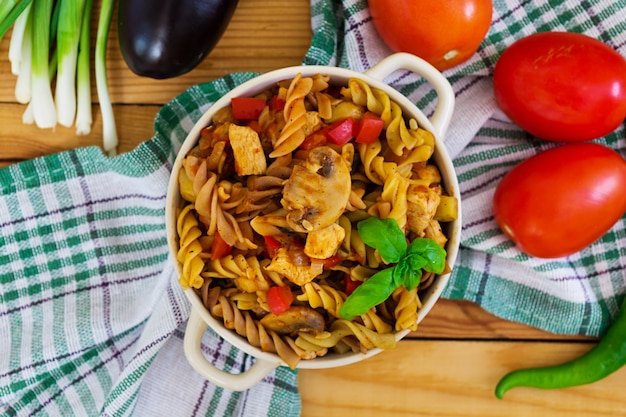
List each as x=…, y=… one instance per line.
x=412, y=279
x=405, y=273
x=432, y=255
x=384, y=235
x=400, y=271
x=372, y=292
x=416, y=261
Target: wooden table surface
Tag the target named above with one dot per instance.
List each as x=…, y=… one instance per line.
x=450, y=366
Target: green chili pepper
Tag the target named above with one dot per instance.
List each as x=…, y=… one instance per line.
x=606, y=357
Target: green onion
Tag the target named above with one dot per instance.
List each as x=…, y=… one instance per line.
x=20, y=55
x=68, y=37
x=83, y=80
x=28, y=117
x=10, y=10
x=5, y=8
x=109, y=130
x=44, y=110
x=50, y=46
x=17, y=40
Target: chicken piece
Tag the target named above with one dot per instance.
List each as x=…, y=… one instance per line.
x=294, y=270
x=428, y=173
x=247, y=150
x=317, y=192
x=434, y=232
x=422, y=203
x=323, y=243
x=313, y=122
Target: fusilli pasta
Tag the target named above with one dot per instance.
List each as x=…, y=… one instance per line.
x=252, y=223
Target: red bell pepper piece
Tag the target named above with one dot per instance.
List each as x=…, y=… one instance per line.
x=219, y=248
x=255, y=125
x=272, y=245
x=279, y=299
x=332, y=261
x=350, y=285
x=315, y=139
x=370, y=127
x=247, y=108
x=277, y=103
x=342, y=131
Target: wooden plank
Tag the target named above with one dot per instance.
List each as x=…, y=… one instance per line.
x=19, y=141
x=455, y=378
x=451, y=319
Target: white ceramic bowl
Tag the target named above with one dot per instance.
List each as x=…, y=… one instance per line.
x=200, y=318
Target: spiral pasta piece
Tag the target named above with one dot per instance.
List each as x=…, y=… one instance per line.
x=368, y=339
x=322, y=296
x=222, y=304
x=375, y=100
x=190, y=249
x=295, y=115
x=395, y=192
x=247, y=273
x=406, y=308
x=331, y=300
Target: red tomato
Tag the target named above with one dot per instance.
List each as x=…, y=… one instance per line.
x=279, y=299
x=560, y=201
x=562, y=86
x=442, y=32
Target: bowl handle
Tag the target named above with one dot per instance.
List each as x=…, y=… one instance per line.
x=235, y=382
x=440, y=119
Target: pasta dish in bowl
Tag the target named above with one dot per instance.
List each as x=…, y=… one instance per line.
x=313, y=215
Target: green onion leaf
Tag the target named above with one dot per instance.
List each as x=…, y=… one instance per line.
x=10, y=10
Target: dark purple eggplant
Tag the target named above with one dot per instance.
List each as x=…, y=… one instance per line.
x=167, y=38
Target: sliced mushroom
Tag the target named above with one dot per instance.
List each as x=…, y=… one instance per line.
x=317, y=192
x=295, y=319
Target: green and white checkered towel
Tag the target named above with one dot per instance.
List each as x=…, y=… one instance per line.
x=92, y=316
